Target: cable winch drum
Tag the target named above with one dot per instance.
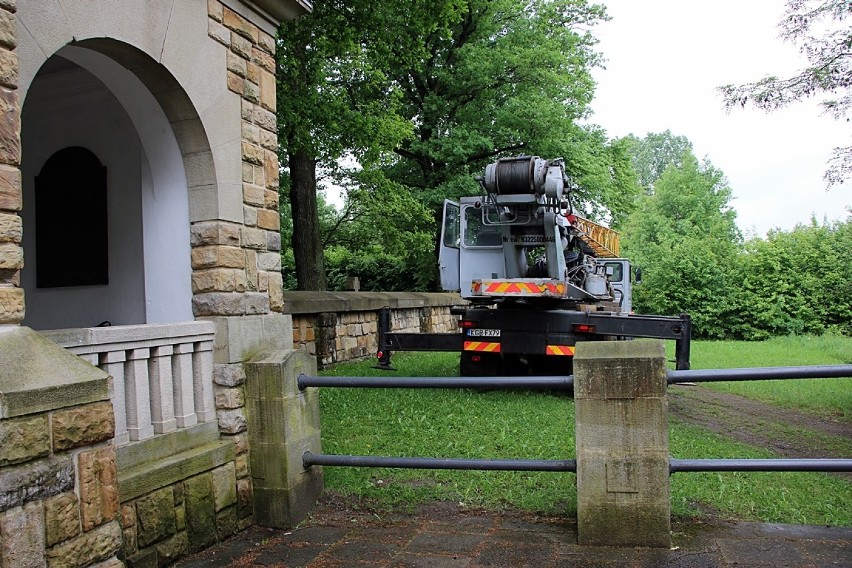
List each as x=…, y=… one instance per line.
x=514, y=176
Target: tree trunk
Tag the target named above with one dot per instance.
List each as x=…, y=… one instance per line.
x=307, y=245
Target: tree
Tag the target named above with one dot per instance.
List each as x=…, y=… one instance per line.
x=651, y=155
x=684, y=237
x=483, y=79
x=829, y=73
x=331, y=101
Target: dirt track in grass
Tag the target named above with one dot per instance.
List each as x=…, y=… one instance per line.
x=786, y=432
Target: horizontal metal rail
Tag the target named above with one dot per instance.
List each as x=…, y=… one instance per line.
x=529, y=383
x=830, y=465
x=760, y=374
x=309, y=459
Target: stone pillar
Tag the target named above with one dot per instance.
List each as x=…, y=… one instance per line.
x=58, y=483
x=622, y=444
x=11, y=228
x=283, y=423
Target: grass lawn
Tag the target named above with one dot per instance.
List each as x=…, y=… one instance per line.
x=827, y=398
x=498, y=424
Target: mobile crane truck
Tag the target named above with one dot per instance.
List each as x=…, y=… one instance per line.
x=537, y=278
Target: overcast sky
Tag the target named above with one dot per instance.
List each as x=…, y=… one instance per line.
x=664, y=60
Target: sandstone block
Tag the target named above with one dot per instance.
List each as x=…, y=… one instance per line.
x=98, y=545
x=224, y=486
x=252, y=153
x=248, y=172
x=251, y=91
x=270, y=168
x=232, y=421
x=217, y=257
x=254, y=238
x=251, y=269
x=9, y=68
x=219, y=32
x=11, y=228
x=235, y=83
x=273, y=241
x=200, y=511
x=7, y=30
x=35, y=481
x=24, y=439
x=218, y=280
x=226, y=523
x=214, y=233
x=169, y=550
x=214, y=10
x=10, y=187
x=241, y=45
x=98, y=487
x=10, y=124
x=268, y=219
x=266, y=42
x=229, y=398
x=264, y=118
x=254, y=194
x=236, y=64
x=228, y=375
x=11, y=256
x=11, y=305
x=83, y=425
x=250, y=215
x=241, y=466
x=257, y=303
x=219, y=304
x=269, y=140
x=270, y=261
x=22, y=537
x=244, y=498
x=240, y=25
x=155, y=512
x=61, y=518
x=276, y=292
x=267, y=90
x=263, y=59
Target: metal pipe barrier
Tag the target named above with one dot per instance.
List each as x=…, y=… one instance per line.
x=760, y=374
x=529, y=383
x=567, y=383
x=824, y=465
x=309, y=459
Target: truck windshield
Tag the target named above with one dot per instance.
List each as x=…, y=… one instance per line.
x=477, y=234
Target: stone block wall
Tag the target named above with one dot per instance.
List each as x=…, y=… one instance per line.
x=58, y=476
x=189, y=515
x=343, y=326
x=237, y=267
x=11, y=228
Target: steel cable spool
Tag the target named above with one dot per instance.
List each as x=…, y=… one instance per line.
x=514, y=176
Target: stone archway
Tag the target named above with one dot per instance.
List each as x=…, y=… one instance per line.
x=92, y=95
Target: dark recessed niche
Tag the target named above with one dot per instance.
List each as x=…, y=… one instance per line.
x=71, y=220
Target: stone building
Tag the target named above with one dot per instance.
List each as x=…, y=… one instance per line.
x=139, y=229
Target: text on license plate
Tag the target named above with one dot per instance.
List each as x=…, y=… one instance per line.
x=483, y=333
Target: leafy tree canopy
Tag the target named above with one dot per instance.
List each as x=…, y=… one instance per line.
x=820, y=29
x=684, y=238
x=654, y=153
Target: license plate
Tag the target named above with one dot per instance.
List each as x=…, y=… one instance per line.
x=483, y=333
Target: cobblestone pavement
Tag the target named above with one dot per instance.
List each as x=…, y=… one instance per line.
x=452, y=538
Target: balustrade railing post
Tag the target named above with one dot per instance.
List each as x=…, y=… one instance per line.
x=202, y=368
x=112, y=363
x=184, y=379
x=162, y=390
x=138, y=395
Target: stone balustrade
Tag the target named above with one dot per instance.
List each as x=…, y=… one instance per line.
x=162, y=373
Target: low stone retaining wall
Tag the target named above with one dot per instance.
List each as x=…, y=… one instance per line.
x=343, y=326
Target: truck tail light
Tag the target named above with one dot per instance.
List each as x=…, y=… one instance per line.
x=583, y=328
x=466, y=324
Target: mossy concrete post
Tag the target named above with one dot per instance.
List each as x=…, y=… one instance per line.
x=622, y=444
x=283, y=423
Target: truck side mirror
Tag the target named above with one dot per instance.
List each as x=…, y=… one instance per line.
x=637, y=275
